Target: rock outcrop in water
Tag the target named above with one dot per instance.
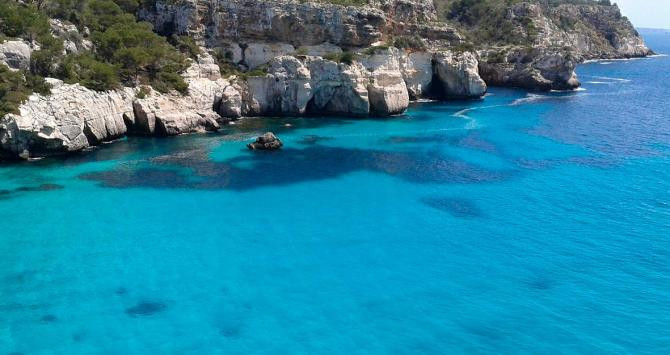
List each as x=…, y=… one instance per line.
x=587, y=30
x=74, y=118
x=71, y=119
x=530, y=68
x=173, y=114
x=268, y=141
x=292, y=58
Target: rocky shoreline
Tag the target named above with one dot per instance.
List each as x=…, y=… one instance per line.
x=306, y=74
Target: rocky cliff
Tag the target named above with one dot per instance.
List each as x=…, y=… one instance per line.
x=534, y=44
x=292, y=57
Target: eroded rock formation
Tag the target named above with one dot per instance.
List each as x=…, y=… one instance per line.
x=291, y=57
x=71, y=119
x=268, y=141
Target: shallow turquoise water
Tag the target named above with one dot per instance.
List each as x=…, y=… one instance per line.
x=525, y=223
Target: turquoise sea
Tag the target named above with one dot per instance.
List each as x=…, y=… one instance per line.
x=521, y=223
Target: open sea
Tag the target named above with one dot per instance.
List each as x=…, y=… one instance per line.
x=521, y=223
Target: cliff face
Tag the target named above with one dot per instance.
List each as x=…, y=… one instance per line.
x=298, y=23
x=291, y=57
x=536, y=44
x=589, y=31
x=540, y=46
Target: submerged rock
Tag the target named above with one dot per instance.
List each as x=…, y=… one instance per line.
x=268, y=141
x=145, y=309
x=49, y=318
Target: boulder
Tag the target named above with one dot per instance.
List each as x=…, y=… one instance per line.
x=417, y=71
x=163, y=115
x=195, y=112
x=387, y=90
x=268, y=141
x=73, y=40
x=285, y=90
x=388, y=93
x=230, y=103
x=15, y=54
x=338, y=89
x=458, y=74
x=541, y=69
x=71, y=119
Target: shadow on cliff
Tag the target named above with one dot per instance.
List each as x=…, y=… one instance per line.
x=193, y=169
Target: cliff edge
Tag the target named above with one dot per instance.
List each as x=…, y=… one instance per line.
x=281, y=57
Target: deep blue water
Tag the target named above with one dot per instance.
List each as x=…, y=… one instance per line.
x=522, y=223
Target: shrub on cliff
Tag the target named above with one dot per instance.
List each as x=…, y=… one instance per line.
x=344, y=57
x=25, y=22
x=16, y=86
x=486, y=21
x=141, y=55
x=137, y=53
x=22, y=21
x=91, y=73
x=125, y=51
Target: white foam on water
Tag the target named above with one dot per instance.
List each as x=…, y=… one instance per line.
x=605, y=63
x=599, y=82
x=613, y=79
x=612, y=60
x=530, y=97
x=462, y=113
x=569, y=90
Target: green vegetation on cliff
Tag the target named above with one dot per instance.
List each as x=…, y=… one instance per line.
x=486, y=21
x=494, y=21
x=124, y=52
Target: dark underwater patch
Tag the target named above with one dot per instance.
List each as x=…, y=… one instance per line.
x=313, y=139
x=49, y=318
x=484, y=331
x=43, y=187
x=77, y=337
x=291, y=166
x=145, y=309
x=540, y=284
x=457, y=207
x=121, y=291
x=20, y=277
x=8, y=194
x=402, y=139
x=231, y=330
x=598, y=162
x=471, y=140
x=143, y=177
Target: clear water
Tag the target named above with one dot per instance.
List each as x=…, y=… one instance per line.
x=525, y=223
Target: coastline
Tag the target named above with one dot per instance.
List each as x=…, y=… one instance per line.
x=242, y=71
x=411, y=102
